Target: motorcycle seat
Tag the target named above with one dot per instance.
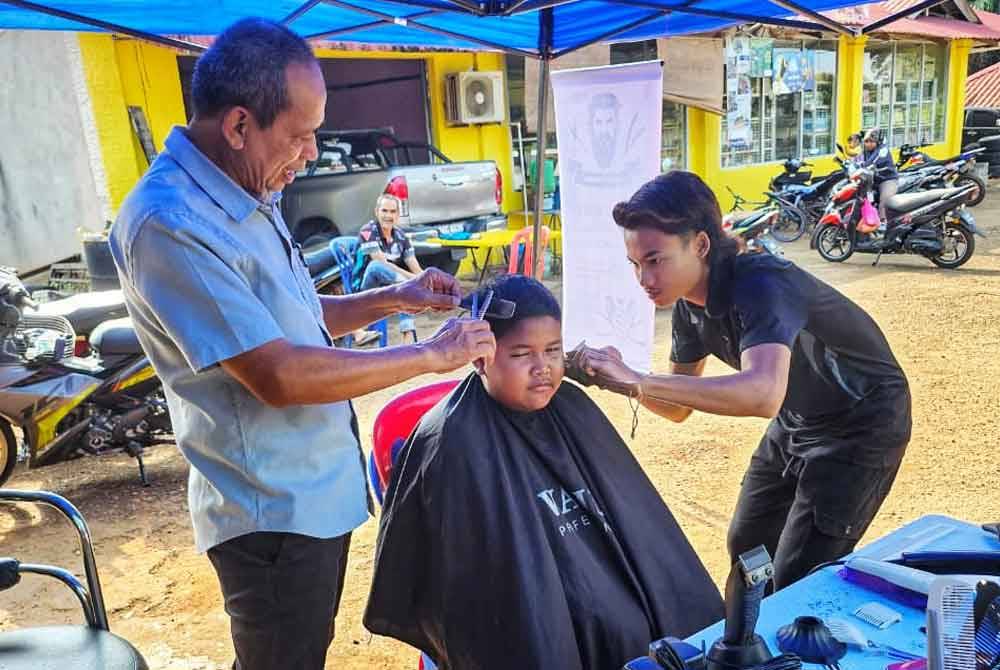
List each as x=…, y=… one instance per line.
x=85, y=311
x=798, y=189
x=319, y=259
x=77, y=647
x=907, y=202
x=115, y=338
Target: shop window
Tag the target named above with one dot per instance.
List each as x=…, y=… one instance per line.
x=788, y=124
x=904, y=91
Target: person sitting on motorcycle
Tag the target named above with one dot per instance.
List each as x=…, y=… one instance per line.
x=853, y=149
x=519, y=531
x=876, y=155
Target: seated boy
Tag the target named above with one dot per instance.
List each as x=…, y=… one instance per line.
x=520, y=532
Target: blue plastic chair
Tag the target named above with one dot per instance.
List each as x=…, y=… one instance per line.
x=349, y=262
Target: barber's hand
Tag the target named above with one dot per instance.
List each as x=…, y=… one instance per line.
x=461, y=341
x=431, y=289
x=604, y=367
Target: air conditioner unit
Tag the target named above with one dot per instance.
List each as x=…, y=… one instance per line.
x=474, y=97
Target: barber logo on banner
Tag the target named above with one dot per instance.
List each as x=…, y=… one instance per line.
x=608, y=127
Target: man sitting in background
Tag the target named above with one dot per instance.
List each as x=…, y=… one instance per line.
x=386, y=249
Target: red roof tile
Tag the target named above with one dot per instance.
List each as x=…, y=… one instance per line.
x=982, y=89
x=924, y=26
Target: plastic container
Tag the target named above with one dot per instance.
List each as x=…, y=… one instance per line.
x=100, y=264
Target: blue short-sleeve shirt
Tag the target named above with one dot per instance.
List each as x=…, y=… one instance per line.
x=210, y=272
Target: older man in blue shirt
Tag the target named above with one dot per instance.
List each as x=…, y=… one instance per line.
x=225, y=308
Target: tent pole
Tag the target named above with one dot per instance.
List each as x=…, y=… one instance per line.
x=545, y=25
x=543, y=91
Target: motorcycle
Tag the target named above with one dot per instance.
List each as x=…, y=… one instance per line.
x=790, y=221
x=934, y=223
x=85, y=312
x=954, y=172
x=69, y=406
x=82, y=647
x=754, y=228
x=806, y=195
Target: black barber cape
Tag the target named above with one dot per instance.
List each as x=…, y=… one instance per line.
x=512, y=540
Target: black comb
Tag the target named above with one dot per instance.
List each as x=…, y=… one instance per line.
x=498, y=308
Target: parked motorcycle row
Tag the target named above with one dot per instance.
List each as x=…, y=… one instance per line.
x=928, y=216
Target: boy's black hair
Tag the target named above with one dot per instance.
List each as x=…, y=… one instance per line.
x=530, y=296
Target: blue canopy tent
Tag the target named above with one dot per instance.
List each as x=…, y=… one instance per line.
x=540, y=29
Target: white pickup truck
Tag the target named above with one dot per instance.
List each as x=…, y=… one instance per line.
x=335, y=195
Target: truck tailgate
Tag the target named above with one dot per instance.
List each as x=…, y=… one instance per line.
x=450, y=191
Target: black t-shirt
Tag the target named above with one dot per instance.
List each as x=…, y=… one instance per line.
x=396, y=250
x=843, y=380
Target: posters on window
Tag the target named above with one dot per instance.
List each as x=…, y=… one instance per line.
x=738, y=92
x=794, y=71
x=738, y=121
x=739, y=55
x=761, y=57
x=808, y=58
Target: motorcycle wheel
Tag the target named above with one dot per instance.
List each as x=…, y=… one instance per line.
x=963, y=246
x=8, y=451
x=834, y=244
x=790, y=226
x=977, y=195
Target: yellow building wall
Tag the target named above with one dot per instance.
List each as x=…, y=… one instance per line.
x=850, y=78
x=150, y=80
x=121, y=72
x=114, y=131
x=958, y=66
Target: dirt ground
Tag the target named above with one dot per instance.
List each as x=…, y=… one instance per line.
x=164, y=597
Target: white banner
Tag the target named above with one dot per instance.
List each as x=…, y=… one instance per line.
x=608, y=125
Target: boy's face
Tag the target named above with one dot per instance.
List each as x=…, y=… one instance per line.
x=528, y=366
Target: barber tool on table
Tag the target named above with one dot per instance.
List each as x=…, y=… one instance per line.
x=740, y=647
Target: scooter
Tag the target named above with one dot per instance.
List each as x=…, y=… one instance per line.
x=68, y=406
x=954, y=172
x=934, y=224
x=89, y=647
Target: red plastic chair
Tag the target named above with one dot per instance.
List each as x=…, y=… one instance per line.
x=394, y=424
x=525, y=237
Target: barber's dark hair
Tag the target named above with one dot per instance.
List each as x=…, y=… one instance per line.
x=245, y=67
x=530, y=296
x=678, y=203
